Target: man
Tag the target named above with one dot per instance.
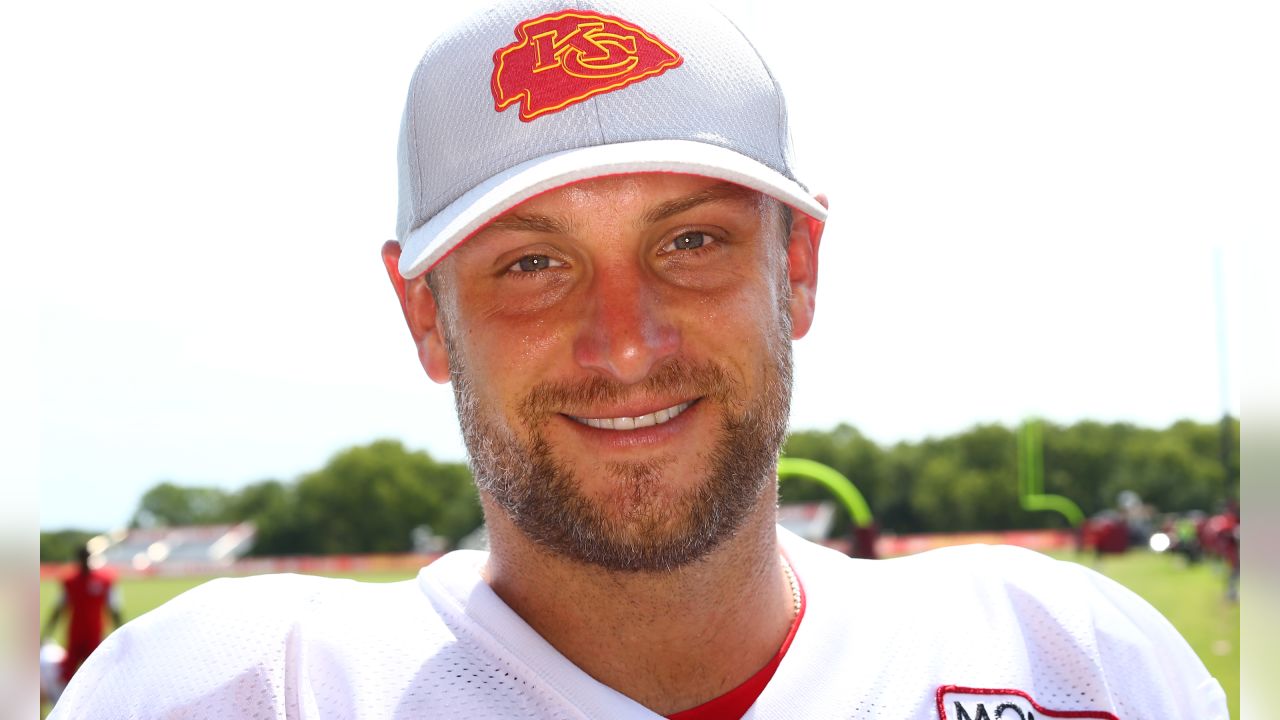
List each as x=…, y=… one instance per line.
x=603, y=245
x=88, y=596
x=1223, y=534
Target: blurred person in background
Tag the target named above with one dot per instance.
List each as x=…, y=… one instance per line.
x=1188, y=531
x=89, y=595
x=1223, y=533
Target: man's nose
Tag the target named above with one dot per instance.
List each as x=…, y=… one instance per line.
x=627, y=329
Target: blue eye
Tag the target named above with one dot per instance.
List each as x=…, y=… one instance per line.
x=534, y=263
x=688, y=241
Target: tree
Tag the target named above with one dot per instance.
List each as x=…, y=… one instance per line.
x=62, y=545
x=969, y=482
x=1080, y=459
x=171, y=504
x=370, y=499
x=272, y=508
x=1175, y=470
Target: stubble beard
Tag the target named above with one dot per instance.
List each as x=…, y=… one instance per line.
x=644, y=524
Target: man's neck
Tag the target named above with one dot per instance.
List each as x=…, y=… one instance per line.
x=669, y=640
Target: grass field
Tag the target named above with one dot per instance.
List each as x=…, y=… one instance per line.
x=1191, y=597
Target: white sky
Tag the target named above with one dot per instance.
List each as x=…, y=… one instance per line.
x=1026, y=202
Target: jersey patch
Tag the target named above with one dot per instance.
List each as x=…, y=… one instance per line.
x=564, y=58
x=965, y=703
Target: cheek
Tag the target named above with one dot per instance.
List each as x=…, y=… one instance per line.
x=528, y=342
x=495, y=335
x=741, y=329
x=506, y=357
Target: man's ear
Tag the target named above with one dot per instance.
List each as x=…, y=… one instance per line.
x=802, y=269
x=421, y=313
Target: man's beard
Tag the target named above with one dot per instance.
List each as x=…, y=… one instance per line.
x=644, y=524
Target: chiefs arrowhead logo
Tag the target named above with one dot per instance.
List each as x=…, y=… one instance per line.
x=566, y=57
x=965, y=703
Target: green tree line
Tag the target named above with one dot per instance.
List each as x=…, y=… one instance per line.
x=968, y=481
x=366, y=499
x=371, y=498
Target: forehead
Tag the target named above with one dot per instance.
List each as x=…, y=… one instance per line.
x=647, y=197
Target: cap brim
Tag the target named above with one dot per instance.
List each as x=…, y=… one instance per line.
x=428, y=244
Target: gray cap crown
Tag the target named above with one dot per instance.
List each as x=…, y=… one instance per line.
x=454, y=140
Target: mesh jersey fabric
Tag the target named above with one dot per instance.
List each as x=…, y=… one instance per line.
x=879, y=638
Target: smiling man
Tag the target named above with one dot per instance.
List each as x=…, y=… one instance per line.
x=604, y=246
x=620, y=352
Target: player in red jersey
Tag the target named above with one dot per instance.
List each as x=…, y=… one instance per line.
x=88, y=595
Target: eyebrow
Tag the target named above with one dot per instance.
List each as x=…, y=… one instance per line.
x=715, y=193
x=529, y=223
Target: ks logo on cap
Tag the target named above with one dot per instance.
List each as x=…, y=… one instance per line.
x=566, y=57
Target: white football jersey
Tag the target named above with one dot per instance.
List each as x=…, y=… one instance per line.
x=969, y=633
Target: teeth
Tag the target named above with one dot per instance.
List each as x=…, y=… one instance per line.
x=631, y=423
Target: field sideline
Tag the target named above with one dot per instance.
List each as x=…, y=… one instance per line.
x=1190, y=597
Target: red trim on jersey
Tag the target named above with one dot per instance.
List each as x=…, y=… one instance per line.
x=735, y=703
x=1044, y=711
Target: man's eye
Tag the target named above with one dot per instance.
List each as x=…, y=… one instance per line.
x=533, y=263
x=688, y=241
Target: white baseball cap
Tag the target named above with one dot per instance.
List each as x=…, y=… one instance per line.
x=529, y=95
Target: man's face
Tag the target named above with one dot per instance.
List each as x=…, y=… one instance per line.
x=621, y=357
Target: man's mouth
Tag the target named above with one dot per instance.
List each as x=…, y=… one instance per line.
x=631, y=423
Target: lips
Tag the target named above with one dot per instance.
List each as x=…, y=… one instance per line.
x=632, y=423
